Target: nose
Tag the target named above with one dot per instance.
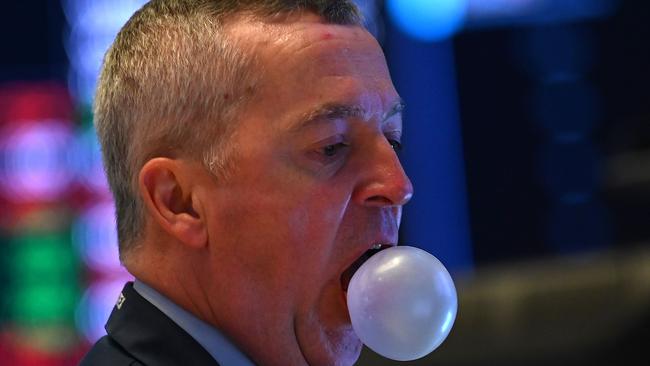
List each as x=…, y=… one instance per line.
x=383, y=181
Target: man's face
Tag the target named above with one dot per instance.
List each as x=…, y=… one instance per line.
x=316, y=182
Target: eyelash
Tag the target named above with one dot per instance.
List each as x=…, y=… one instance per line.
x=331, y=150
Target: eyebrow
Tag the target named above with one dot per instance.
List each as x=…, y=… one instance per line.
x=332, y=111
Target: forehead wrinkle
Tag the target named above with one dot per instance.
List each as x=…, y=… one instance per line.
x=308, y=28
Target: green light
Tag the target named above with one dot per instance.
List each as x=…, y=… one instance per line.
x=43, y=288
x=43, y=304
x=45, y=258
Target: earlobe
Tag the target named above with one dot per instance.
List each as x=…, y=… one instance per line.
x=166, y=189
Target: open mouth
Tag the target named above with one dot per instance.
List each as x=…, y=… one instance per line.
x=350, y=271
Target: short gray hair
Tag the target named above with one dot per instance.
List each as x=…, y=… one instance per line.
x=171, y=83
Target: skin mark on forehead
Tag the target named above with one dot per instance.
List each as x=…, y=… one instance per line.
x=326, y=32
x=326, y=35
x=334, y=111
x=310, y=27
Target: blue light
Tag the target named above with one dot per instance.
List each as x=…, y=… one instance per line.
x=93, y=27
x=32, y=161
x=428, y=20
x=96, y=306
x=85, y=160
x=95, y=236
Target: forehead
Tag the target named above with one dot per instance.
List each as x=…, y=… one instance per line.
x=307, y=40
x=309, y=62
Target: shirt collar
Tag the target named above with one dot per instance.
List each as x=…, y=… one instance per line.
x=217, y=345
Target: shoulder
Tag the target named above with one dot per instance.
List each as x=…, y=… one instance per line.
x=108, y=352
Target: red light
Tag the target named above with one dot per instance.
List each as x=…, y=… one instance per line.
x=22, y=102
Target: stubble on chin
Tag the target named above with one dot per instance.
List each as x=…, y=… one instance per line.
x=341, y=347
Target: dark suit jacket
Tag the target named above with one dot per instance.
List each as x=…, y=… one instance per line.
x=140, y=334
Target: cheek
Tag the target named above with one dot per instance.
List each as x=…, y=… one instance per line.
x=315, y=221
x=272, y=228
x=298, y=209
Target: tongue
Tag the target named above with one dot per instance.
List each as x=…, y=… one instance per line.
x=348, y=273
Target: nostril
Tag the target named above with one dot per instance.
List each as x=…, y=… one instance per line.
x=386, y=195
x=379, y=200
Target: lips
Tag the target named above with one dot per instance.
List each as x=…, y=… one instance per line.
x=349, y=272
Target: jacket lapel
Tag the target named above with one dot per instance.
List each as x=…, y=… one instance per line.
x=150, y=336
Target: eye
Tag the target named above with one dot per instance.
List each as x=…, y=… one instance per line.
x=330, y=150
x=396, y=144
x=394, y=138
x=334, y=149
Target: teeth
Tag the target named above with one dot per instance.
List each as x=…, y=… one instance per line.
x=376, y=246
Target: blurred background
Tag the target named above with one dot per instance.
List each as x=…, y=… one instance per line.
x=527, y=137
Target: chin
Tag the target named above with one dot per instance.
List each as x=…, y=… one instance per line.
x=350, y=352
x=324, y=332
x=340, y=349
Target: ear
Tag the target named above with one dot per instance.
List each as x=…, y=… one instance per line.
x=167, y=191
